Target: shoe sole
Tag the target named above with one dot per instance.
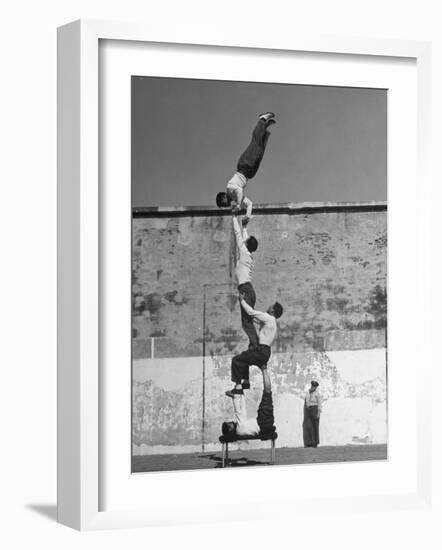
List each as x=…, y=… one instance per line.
x=231, y=394
x=266, y=116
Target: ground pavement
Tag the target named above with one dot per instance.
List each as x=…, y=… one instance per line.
x=258, y=457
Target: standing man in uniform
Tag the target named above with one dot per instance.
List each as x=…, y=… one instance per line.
x=312, y=413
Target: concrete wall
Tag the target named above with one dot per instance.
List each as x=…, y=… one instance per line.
x=325, y=263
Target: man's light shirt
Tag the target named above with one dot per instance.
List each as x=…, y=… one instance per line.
x=235, y=189
x=244, y=263
x=244, y=425
x=313, y=399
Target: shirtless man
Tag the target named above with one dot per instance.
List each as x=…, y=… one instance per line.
x=260, y=355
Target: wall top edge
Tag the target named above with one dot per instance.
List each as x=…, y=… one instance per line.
x=283, y=208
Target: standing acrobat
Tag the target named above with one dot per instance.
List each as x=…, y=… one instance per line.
x=244, y=264
x=246, y=168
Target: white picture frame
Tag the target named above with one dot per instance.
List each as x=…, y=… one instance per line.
x=79, y=265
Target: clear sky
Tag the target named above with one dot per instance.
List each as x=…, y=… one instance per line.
x=329, y=143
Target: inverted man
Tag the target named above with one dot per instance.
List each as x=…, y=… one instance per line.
x=262, y=425
x=246, y=169
x=260, y=355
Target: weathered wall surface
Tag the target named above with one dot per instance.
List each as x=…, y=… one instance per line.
x=167, y=411
x=325, y=264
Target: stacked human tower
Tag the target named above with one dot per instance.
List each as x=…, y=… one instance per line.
x=260, y=327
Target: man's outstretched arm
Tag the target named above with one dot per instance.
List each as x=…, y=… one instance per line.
x=267, y=385
x=240, y=235
x=249, y=205
x=319, y=404
x=255, y=314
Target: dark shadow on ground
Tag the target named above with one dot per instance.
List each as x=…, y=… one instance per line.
x=232, y=462
x=48, y=511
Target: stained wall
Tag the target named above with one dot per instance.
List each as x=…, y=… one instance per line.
x=326, y=263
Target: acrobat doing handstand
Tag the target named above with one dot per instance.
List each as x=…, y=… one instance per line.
x=262, y=425
x=246, y=168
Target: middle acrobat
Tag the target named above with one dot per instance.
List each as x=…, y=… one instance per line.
x=246, y=168
x=245, y=246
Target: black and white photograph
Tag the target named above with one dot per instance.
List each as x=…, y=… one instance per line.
x=259, y=274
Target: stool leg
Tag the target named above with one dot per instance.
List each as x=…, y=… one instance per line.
x=273, y=451
x=227, y=452
x=222, y=455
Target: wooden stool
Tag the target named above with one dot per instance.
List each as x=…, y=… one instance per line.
x=226, y=440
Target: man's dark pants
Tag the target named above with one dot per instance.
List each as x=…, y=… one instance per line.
x=250, y=160
x=265, y=418
x=247, y=290
x=311, y=426
x=258, y=356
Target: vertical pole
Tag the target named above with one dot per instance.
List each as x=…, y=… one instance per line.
x=387, y=400
x=203, y=420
